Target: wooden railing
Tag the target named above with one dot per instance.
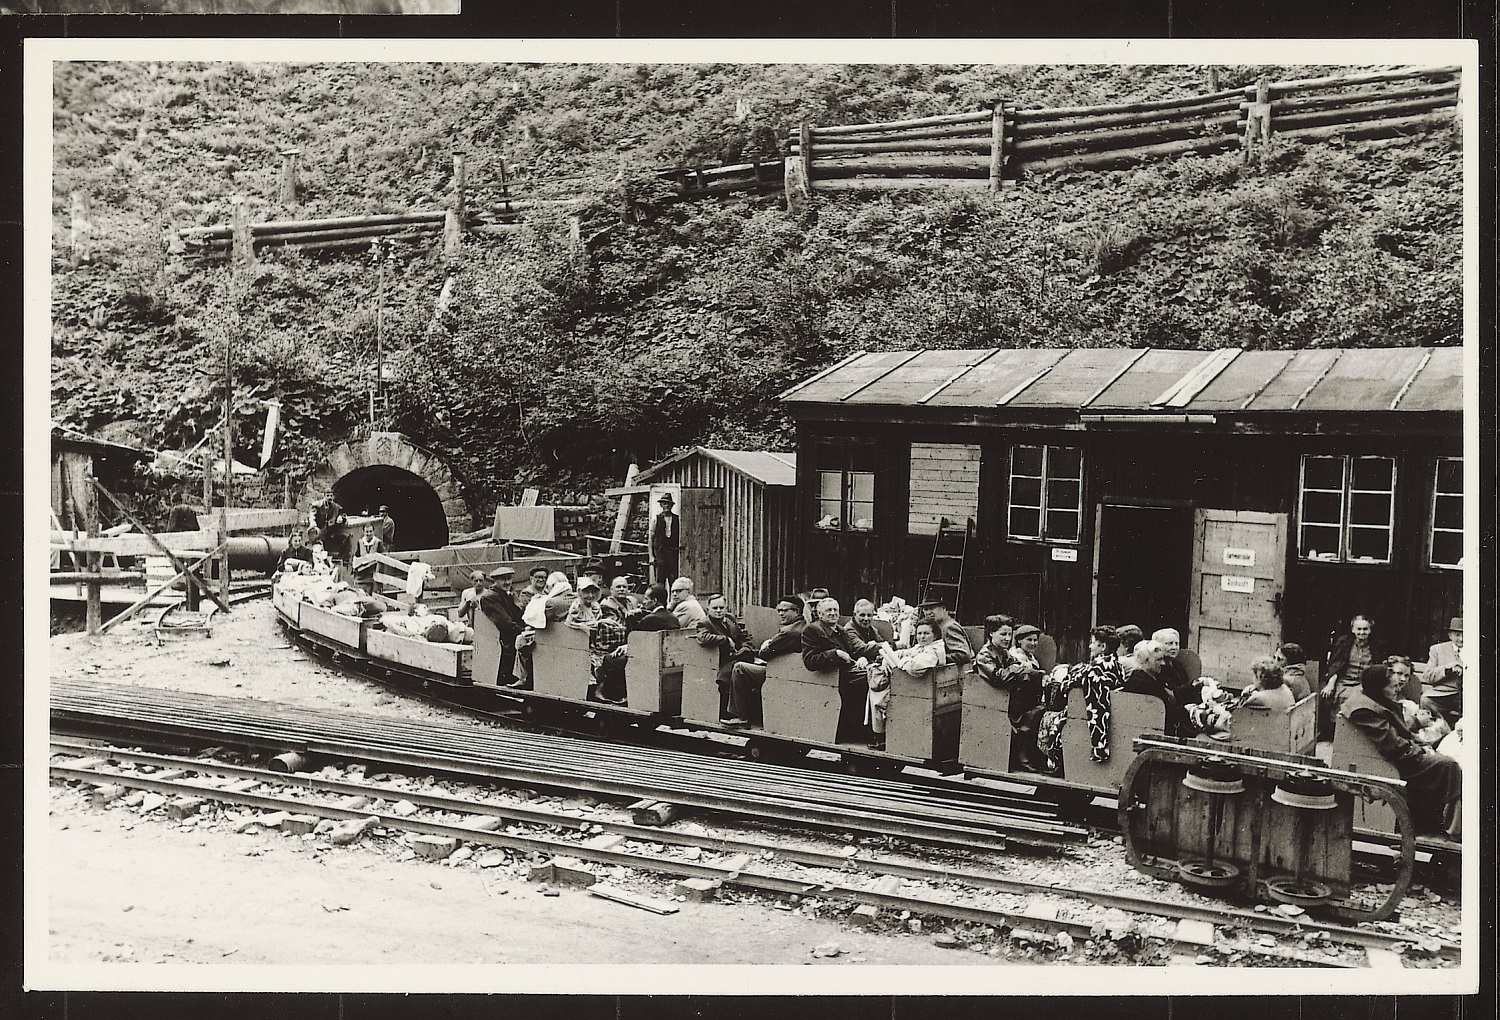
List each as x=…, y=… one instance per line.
x=989, y=149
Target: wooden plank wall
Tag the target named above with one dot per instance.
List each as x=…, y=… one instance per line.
x=944, y=483
x=757, y=529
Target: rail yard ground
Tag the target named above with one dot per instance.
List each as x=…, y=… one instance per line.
x=260, y=894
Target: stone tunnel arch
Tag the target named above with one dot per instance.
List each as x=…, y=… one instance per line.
x=423, y=494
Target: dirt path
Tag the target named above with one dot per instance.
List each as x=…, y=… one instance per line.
x=141, y=892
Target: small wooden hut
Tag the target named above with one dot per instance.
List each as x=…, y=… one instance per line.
x=736, y=508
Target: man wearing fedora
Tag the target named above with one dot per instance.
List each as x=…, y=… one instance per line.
x=1443, y=677
x=666, y=536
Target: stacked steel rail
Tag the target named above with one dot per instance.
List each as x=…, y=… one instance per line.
x=784, y=794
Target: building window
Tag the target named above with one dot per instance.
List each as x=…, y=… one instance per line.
x=845, y=486
x=1346, y=512
x=1045, y=502
x=1447, y=549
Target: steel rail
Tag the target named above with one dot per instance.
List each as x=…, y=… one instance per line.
x=554, y=765
x=923, y=799
x=1260, y=922
x=741, y=876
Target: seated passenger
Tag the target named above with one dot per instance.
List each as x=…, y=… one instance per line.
x=1145, y=678
x=298, y=549
x=1100, y=677
x=468, y=599
x=864, y=627
x=955, y=638
x=652, y=613
x=369, y=542
x=584, y=614
x=747, y=678
x=1026, y=707
x=620, y=601
x=1434, y=782
x=498, y=605
x=1270, y=690
x=1129, y=635
x=827, y=646
x=1293, y=662
x=723, y=632
x=1426, y=723
x=993, y=662
x=927, y=654
x=1443, y=674
x=684, y=605
x=1172, y=673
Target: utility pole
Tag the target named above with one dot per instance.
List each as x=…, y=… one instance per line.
x=378, y=247
x=231, y=326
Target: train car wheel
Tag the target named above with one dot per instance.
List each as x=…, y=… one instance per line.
x=1214, y=874
x=1299, y=893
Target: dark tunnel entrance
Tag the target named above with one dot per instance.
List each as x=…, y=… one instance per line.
x=414, y=506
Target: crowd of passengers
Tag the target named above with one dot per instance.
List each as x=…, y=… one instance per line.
x=1408, y=710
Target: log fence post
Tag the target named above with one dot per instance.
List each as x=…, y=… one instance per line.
x=289, y=178
x=805, y=141
x=243, y=243
x=79, y=229
x=1258, y=122
x=997, y=145
x=94, y=562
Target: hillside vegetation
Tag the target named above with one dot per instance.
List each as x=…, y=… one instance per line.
x=681, y=321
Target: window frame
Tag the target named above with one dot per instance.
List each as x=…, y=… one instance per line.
x=842, y=452
x=1345, y=524
x=1046, y=480
x=1432, y=528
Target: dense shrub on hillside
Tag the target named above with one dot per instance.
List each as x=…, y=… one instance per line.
x=677, y=323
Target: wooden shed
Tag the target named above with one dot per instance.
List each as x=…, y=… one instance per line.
x=736, y=508
x=1244, y=498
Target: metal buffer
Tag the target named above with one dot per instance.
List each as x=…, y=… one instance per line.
x=945, y=572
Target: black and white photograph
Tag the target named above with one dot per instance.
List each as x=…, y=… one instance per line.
x=697, y=517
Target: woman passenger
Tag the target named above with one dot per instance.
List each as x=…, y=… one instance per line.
x=1270, y=690
x=1293, y=662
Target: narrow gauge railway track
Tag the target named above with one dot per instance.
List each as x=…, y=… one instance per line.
x=750, y=789
x=178, y=776
x=1437, y=859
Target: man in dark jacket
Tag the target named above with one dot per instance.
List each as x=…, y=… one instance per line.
x=747, y=678
x=666, y=537
x=955, y=640
x=298, y=549
x=864, y=627
x=499, y=606
x=653, y=613
x=723, y=632
x=828, y=646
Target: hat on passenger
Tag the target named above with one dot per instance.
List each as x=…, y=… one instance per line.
x=933, y=602
x=586, y=583
x=500, y=572
x=1457, y=623
x=1025, y=629
x=793, y=599
x=666, y=499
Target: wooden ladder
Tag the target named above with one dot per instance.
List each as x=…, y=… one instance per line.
x=945, y=572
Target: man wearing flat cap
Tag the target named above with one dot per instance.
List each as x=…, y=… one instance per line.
x=497, y=602
x=666, y=539
x=955, y=641
x=1443, y=676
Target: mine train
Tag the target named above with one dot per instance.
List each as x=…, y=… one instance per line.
x=947, y=720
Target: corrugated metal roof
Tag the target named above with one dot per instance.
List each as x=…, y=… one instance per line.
x=761, y=466
x=1120, y=380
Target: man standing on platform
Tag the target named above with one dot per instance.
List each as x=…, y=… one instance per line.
x=385, y=528
x=666, y=538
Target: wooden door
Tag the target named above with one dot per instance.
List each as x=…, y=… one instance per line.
x=1239, y=575
x=702, y=550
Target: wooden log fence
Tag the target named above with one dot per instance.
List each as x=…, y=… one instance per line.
x=996, y=147
x=991, y=148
